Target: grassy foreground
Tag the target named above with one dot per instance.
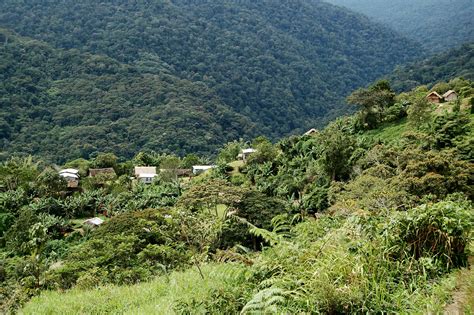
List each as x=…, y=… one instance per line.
x=160, y=296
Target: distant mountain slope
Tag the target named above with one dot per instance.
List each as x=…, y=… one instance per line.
x=458, y=62
x=287, y=65
x=64, y=104
x=437, y=24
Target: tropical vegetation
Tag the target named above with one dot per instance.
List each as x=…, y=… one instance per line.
x=179, y=76
x=372, y=214
x=435, y=24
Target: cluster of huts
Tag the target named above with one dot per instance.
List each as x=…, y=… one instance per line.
x=435, y=97
x=144, y=174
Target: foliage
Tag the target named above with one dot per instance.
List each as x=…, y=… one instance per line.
x=265, y=152
x=229, y=151
x=420, y=113
x=180, y=291
x=457, y=62
x=448, y=129
x=179, y=76
x=18, y=173
x=131, y=247
x=373, y=101
x=437, y=232
x=47, y=103
x=340, y=221
x=435, y=24
x=255, y=209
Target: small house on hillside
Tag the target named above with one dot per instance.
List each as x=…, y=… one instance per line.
x=434, y=97
x=184, y=172
x=199, y=169
x=449, y=96
x=145, y=174
x=245, y=153
x=71, y=175
x=310, y=132
x=93, y=222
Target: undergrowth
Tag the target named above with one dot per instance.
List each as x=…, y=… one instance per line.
x=392, y=262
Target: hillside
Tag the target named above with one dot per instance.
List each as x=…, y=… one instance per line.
x=457, y=62
x=372, y=214
x=284, y=66
x=64, y=104
x=436, y=24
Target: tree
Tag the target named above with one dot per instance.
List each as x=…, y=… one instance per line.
x=420, y=113
x=144, y=159
x=372, y=101
x=229, y=151
x=50, y=183
x=189, y=160
x=265, y=151
x=336, y=148
x=18, y=172
x=105, y=160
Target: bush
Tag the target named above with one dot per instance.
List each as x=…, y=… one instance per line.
x=257, y=209
x=316, y=200
x=130, y=247
x=438, y=232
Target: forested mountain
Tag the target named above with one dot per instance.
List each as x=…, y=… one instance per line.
x=67, y=104
x=436, y=24
x=457, y=62
x=286, y=66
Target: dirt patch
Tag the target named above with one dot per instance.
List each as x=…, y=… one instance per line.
x=463, y=296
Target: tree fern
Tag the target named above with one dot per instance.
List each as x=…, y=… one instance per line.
x=265, y=301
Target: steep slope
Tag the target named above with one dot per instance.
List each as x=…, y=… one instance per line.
x=457, y=62
x=437, y=24
x=63, y=104
x=286, y=65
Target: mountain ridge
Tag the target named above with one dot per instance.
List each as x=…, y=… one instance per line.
x=64, y=104
x=436, y=24
x=248, y=53
x=456, y=62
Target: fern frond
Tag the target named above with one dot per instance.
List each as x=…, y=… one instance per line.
x=265, y=301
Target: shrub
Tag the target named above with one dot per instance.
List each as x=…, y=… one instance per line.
x=257, y=209
x=436, y=232
x=316, y=200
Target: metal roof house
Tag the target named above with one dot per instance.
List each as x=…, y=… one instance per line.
x=244, y=154
x=69, y=170
x=310, y=132
x=145, y=174
x=198, y=169
x=71, y=175
x=93, y=222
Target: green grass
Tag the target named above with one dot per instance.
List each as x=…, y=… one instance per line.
x=221, y=210
x=388, y=132
x=236, y=165
x=156, y=297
